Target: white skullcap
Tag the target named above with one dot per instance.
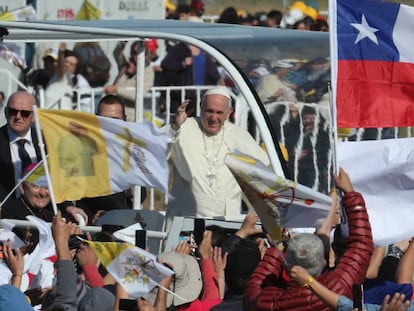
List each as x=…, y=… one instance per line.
x=218, y=90
x=282, y=64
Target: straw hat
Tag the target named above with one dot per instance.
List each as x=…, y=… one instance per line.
x=187, y=284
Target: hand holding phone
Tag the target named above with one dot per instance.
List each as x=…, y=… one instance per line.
x=358, y=296
x=199, y=227
x=128, y=305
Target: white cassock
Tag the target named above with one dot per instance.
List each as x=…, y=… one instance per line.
x=203, y=185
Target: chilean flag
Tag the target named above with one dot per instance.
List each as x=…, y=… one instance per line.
x=372, y=48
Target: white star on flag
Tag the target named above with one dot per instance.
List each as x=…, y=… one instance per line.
x=365, y=31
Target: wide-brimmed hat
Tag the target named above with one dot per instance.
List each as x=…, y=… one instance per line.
x=187, y=281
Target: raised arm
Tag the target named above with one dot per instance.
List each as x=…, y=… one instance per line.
x=65, y=297
x=259, y=294
x=405, y=269
x=302, y=277
x=15, y=262
x=375, y=262
x=208, y=274
x=353, y=265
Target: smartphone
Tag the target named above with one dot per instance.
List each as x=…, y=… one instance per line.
x=199, y=227
x=128, y=304
x=186, y=236
x=358, y=296
x=141, y=238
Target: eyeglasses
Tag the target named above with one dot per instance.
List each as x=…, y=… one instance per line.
x=14, y=112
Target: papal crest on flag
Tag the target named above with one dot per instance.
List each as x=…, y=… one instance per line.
x=372, y=63
x=92, y=156
x=135, y=269
x=278, y=202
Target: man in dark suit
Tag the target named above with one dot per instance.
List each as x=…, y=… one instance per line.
x=18, y=140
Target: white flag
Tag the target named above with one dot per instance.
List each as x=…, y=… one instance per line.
x=279, y=202
x=383, y=172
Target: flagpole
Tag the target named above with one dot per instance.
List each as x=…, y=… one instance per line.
x=334, y=74
x=43, y=155
x=19, y=183
x=170, y=292
x=333, y=45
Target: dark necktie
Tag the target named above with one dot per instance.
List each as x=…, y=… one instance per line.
x=23, y=154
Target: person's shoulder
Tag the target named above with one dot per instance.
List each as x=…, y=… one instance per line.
x=82, y=82
x=13, y=208
x=191, y=122
x=3, y=132
x=190, y=129
x=233, y=128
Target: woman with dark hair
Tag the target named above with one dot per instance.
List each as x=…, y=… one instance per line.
x=229, y=16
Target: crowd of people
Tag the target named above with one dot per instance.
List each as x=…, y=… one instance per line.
x=239, y=269
x=243, y=269
x=301, y=15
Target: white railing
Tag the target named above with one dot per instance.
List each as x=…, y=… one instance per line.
x=150, y=110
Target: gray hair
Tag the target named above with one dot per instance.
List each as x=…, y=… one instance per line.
x=306, y=250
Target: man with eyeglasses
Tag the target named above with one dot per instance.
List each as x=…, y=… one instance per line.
x=18, y=141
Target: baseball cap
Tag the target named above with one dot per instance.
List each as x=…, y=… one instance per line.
x=51, y=52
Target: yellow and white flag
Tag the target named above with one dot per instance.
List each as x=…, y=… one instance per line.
x=278, y=202
x=26, y=13
x=88, y=11
x=135, y=269
x=37, y=175
x=91, y=156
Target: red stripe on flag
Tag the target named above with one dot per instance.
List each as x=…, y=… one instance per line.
x=375, y=94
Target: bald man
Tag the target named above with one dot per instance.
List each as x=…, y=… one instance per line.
x=18, y=130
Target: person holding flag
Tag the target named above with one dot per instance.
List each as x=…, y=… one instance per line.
x=110, y=106
x=34, y=200
x=373, y=88
x=306, y=250
x=125, y=154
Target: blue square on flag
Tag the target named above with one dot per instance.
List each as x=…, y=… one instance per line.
x=366, y=30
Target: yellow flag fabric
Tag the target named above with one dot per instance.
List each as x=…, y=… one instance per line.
x=21, y=14
x=91, y=156
x=108, y=251
x=77, y=152
x=8, y=16
x=37, y=175
x=88, y=11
